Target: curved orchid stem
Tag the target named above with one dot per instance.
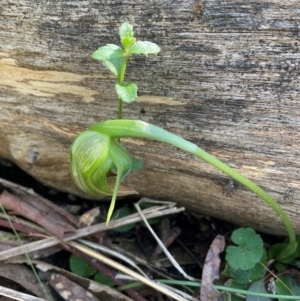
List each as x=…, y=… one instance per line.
x=138, y=129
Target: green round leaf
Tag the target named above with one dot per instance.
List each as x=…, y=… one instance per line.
x=248, y=252
x=144, y=47
x=122, y=212
x=127, y=92
x=288, y=286
x=81, y=267
x=245, y=277
x=257, y=287
x=103, y=279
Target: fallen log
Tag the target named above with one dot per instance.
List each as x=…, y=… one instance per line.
x=227, y=79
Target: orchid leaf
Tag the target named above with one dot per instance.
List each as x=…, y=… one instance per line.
x=114, y=66
x=126, y=34
x=108, y=52
x=144, y=47
x=112, y=56
x=127, y=92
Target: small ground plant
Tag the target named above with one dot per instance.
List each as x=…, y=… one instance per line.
x=99, y=163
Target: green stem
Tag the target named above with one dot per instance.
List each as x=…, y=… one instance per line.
x=120, y=110
x=218, y=287
x=138, y=129
x=121, y=79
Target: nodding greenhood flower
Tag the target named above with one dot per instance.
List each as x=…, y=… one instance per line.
x=99, y=164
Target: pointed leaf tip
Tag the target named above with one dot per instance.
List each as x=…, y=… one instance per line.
x=125, y=30
x=126, y=34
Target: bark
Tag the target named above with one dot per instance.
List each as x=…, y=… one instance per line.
x=227, y=79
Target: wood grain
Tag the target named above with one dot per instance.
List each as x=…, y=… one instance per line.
x=227, y=79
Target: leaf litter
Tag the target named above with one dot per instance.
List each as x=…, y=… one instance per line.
x=33, y=216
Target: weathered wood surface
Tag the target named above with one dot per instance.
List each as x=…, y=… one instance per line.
x=227, y=79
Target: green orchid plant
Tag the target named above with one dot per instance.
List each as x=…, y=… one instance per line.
x=99, y=162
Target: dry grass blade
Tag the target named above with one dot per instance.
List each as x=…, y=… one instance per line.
x=160, y=243
x=139, y=260
x=127, y=271
x=183, y=294
x=17, y=296
x=51, y=241
x=110, y=252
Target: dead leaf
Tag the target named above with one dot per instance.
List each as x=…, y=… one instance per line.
x=25, y=277
x=37, y=200
x=101, y=291
x=211, y=270
x=88, y=217
x=41, y=213
x=69, y=290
